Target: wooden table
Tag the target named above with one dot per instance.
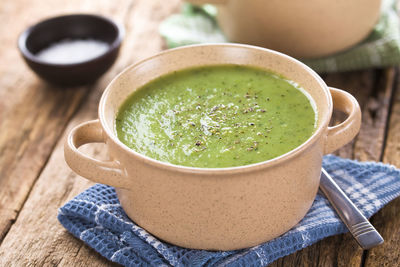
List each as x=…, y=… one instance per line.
x=35, y=118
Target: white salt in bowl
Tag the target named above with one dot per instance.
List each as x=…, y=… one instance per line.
x=71, y=50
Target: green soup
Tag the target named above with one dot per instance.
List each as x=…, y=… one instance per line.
x=216, y=116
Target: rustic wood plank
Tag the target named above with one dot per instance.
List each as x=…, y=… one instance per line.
x=33, y=114
x=370, y=142
x=373, y=91
x=36, y=238
x=387, y=220
x=27, y=139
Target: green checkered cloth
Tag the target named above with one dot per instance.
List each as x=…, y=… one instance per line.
x=381, y=48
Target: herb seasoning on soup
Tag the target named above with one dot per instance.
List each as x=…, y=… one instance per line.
x=216, y=116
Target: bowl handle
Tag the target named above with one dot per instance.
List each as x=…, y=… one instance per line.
x=104, y=172
x=344, y=132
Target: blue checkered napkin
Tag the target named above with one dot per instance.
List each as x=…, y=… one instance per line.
x=96, y=217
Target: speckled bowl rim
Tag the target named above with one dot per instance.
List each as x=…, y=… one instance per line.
x=23, y=37
x=323, y=121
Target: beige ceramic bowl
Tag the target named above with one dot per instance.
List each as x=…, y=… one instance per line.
x=221, y=208
x=299, y=28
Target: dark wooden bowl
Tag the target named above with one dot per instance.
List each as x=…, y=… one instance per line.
x=79, y=26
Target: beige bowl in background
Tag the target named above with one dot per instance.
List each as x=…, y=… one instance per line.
x=220, y=208
x=299, y=28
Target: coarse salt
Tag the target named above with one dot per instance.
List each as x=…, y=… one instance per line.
x=72, y=51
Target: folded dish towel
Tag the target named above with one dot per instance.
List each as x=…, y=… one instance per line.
x=381, y=48
x=96, y=217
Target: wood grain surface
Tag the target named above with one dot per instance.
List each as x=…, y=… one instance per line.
x=387, y=220
x=35, y=118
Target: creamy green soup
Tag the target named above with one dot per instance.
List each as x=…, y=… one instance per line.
x=216, y=116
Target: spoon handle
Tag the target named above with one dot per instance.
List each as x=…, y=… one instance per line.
x=361, y=229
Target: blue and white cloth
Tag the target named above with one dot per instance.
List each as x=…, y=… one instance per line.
x=96, y=217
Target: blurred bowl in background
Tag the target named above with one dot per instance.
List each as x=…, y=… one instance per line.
x=302, y=29
x=56, y=33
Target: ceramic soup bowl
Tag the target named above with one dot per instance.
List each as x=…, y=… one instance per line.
x=302, y=29
x=213, y=208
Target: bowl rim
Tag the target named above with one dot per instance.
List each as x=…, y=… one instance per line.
x=324, y=120
x=22, y=39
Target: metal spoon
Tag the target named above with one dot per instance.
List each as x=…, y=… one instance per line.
x=361, y=229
